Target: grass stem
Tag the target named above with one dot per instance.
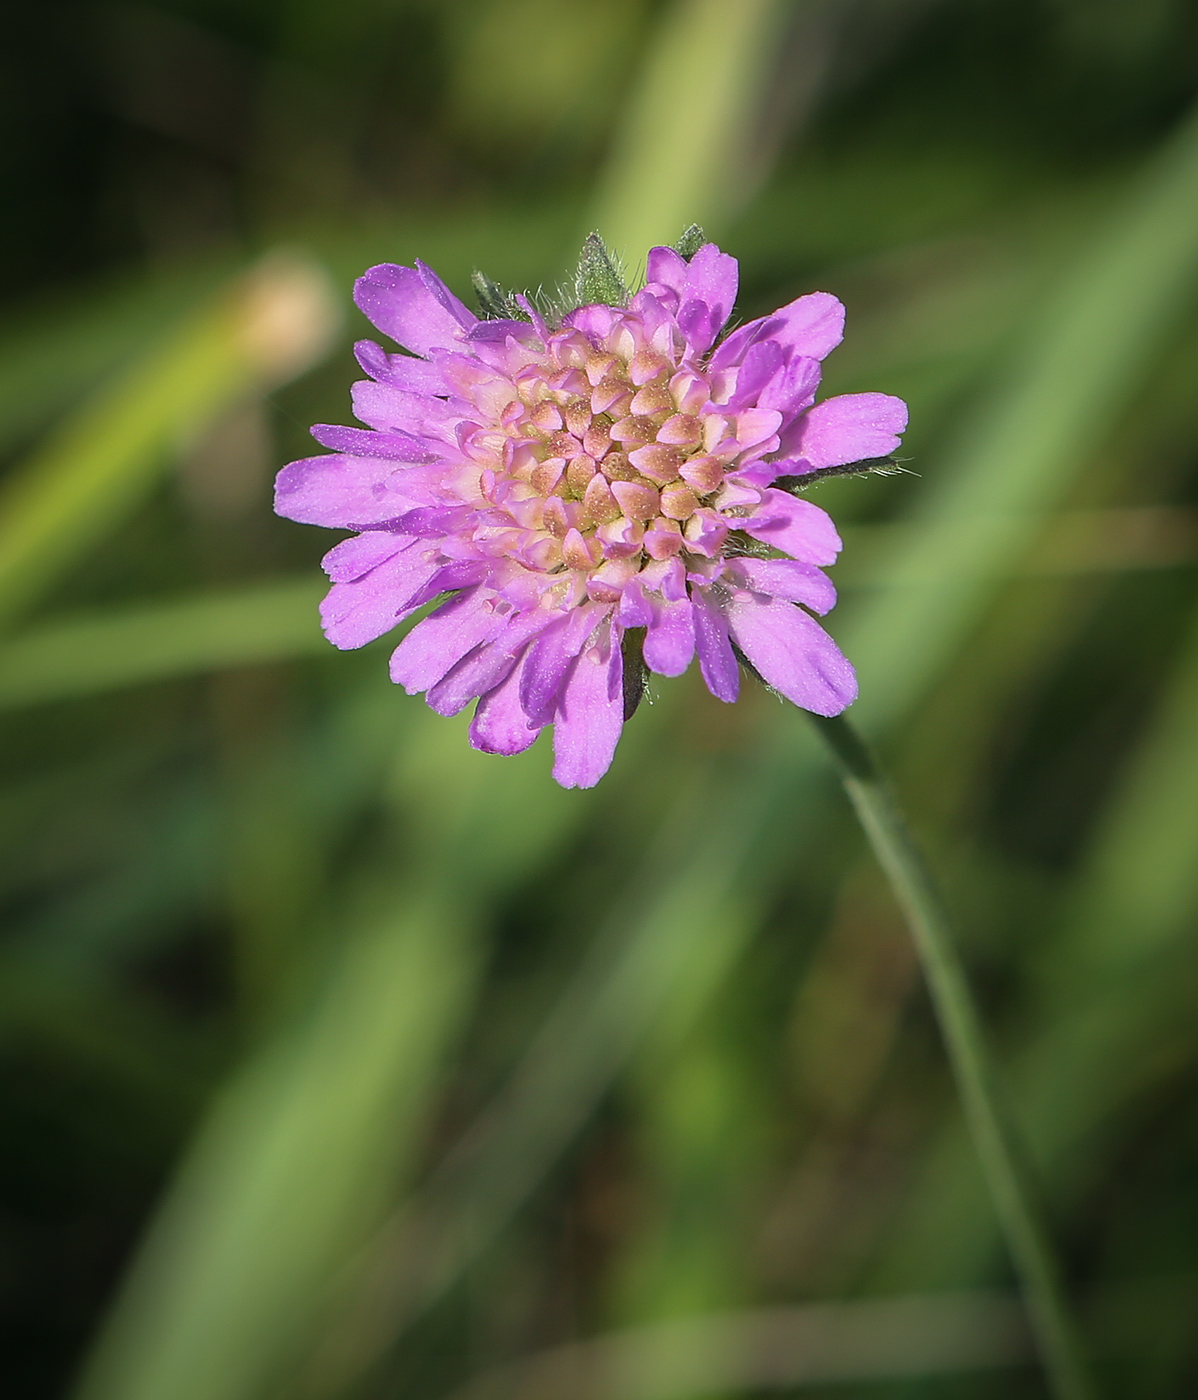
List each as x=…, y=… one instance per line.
x=973, y=1068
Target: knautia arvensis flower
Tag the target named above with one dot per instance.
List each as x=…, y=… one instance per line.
x=596, y=494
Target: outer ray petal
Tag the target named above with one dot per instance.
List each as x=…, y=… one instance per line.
x=793, y=653
x=500, y=724
x=849, y=428
x=589, y=716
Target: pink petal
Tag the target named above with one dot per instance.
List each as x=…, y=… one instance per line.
x=670, y=639
x=707, y=295
x=755, y=425
x=341, y=491
x=594, y=321
x=793, y=654
x=400, y=371
x=364, y=442
x=487, y=665
x=796, y=527
x=849, y=428
x=354, y=557
x=717, y=661
x=549, y=659
x=384, y=407
x=788, y=580
x=436, y=644
x=761, y=364
x=589, y=716
x=667, y=268
x=413, y=307
x=811, y=325
x=793, y=387
x=500, y=724
x=634, y=609
x=355, y=613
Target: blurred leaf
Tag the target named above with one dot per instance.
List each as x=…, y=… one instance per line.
x=814, y=1344
x=156, y=641
x=297, y=1155
x=56, y=346
x=102, y=462
x=1109, y=1002
x=769, y=1349
x=304, y=1146
x=679, y=154
x=650, y=968
x=1091, y=346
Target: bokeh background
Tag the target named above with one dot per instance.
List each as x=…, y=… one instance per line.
x=341, y=1061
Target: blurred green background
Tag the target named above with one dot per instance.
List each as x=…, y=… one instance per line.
x=342, y=1061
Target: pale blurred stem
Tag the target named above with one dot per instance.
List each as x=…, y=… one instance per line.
x=973, y=1067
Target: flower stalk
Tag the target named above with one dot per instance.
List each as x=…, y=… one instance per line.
x=992, y=1130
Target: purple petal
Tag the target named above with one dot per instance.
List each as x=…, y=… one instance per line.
x=364, y=442
x=428, y=522
x=595, y=321
x=711, y=278
x=796, y=527
x=354, y=557
x=460, y=312
x=487, y=666
x=355, y=613
x=699, y=323
x=755, y=426
x=439, y=642
x=500, y=724
x=793, y=387
x=667, y=268
x=385, y=408
x=634, y=609
x=491, y=333
x=670, y=639
x=589, y=716
x=342, y=492
x=786, y=579
x=400, y=371
x=811, y=325
x=717, y=661
x=793, y=654
x=761, y=364
x=402, y=304
x=549, y=660
x=449, y=578
x=849, y=428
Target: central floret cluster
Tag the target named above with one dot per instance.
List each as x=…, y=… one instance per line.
x=596, y=496
x=619, y=460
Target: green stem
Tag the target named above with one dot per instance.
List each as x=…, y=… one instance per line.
x=993, y=1133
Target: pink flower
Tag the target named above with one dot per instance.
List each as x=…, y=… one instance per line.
x=588, y=494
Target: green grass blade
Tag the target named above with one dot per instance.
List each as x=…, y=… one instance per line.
x=1076, y=371
x=52, y=349
x=630, y=986
x=1109, y=996
x=303, y=1149
x=296, y=1157
x=679, y=155
x=103, y=461
x=86, y=655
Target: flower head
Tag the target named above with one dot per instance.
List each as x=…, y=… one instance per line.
x=596, y=496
